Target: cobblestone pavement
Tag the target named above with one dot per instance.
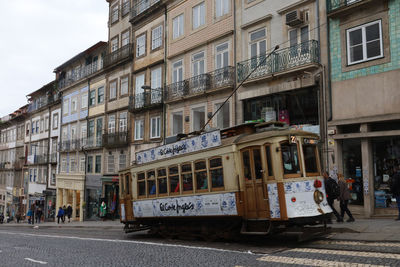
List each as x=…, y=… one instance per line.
x=100, y=247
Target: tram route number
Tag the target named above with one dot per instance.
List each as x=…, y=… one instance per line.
x=293, y=139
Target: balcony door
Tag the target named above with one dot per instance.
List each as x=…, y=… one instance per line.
x=258, y=46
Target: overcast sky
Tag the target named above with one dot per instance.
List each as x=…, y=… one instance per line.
x=39, y=35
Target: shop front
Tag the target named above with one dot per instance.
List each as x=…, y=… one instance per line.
x=50, y=207
x=70, y=191
x=110, y=195
x=93, y=197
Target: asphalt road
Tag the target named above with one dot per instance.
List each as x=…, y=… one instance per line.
x=111, y=247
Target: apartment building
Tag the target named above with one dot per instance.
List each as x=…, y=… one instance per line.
x=200, y=72
x=39, y=138
x=364, y=123
x=73, y=78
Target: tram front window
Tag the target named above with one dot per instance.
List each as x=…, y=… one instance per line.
x=310, y=158
x=290, y=159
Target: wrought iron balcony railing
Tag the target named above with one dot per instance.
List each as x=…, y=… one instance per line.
x=279, y=61
x=80, y=74
x=146, y=100
x=41, y=159
x=112, y=140
x=72, y=145
x=118, y=55
x=141, y=6
x=43, y=102
x=333, y=5
x=94, y=142
x=223, y=77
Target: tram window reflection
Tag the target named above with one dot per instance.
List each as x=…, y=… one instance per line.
x=216, y=173
x=201, y=175
x=141, y=184
x=162, y=181
x=151, y=183
x=187, y=179
x=310, y=158
x=290, y=158
x=173, y=179
x=257, y=163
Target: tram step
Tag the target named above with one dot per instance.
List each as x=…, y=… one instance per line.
x=253, y=233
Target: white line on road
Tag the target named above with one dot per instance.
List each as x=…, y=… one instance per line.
x=349, y=253
x=35, y=261
x=358, y=243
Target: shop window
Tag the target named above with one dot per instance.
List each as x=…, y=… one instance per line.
x=268, y=157
x=173, y=175
x=151, y=183
x=141, y=184
x=162, y=181
x=216, y=174
x=257, y=163
x=187, y=178
x=311, y=160
x=290, y=160
x=200, y=168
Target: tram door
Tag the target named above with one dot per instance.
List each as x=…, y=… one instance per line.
x=256, y=200
x=127, y=196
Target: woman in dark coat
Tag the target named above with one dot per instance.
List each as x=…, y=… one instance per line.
x=344, y=198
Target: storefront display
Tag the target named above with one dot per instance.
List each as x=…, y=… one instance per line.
x=352, y=169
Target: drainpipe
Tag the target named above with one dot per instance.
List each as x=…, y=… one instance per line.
x=164, y=111
x=234, y=104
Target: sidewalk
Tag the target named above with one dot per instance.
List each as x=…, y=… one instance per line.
x=73, y=224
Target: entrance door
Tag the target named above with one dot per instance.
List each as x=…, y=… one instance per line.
x=256, y=199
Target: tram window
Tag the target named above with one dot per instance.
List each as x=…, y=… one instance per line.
x=269, y=163
x=173, y=179
x=141, y=184
x=216, y=173
x=187, y=178
x=290, y=158
x=310, y=158
x=127, y=184
x=246, y=165
x=201, y=175
x=257, y=163
x=162, y=181
x=121, y=185
x=151, y=183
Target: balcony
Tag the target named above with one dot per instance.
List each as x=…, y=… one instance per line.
x=94, y=142
x=284, y=60
x=42, y=102
x=79, y=74
x=113, y=140
x=53, y=158
x=335, y=5
x=71, y=145
x=146, y=100
x=142, y=7
x=118, y=55
x=41, y=159
x=201, y=84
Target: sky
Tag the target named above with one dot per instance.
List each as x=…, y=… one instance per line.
x=36, y=36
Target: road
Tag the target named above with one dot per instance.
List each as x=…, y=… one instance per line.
x=111, y=247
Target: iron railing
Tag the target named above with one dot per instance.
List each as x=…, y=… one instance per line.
x=40, y=159
x=111, y=140
x=223, y=77
x=147, y=100
x=118, y=55
x=72, y=145
x=79, y=74
x=94, y=142
x=42, y=102
x=333, y=5
x=281, y=60
x=141, y=6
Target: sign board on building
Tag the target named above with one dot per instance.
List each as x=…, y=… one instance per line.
x=197, y=143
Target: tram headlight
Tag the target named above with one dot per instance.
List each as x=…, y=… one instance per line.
x=318, y=196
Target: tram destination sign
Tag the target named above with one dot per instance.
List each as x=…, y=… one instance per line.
x=197, y=143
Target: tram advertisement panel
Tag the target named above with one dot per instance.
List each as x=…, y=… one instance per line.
x=201, y=205
x=300, y=199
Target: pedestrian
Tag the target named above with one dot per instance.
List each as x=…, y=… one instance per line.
x=18, y=216
x=69, y=212
x=395, y=188
x=344, y=198
x=65, y=213
x=33, y=208
x=332, y=192
x=60, y=215
x=103, y=210
x=29, y=215
x=38, y=215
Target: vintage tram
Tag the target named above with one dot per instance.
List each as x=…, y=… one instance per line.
x=253, y=179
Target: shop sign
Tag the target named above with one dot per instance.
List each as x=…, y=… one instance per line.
x=308, y=141
x=200, y=205
x=197, y=143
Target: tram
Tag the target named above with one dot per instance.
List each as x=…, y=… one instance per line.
x=249, y=179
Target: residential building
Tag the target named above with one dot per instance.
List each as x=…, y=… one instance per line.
x=364, y=122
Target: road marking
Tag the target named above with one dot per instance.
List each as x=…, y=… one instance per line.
x=313, y=262
x=349, y=253
x=35, y=261
x=352, y=243
x=133, y=242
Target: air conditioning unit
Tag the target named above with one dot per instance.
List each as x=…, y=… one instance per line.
x=294, y=18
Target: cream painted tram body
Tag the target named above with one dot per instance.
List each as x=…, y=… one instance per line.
x=256, y=180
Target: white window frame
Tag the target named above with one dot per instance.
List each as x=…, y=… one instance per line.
x=141, y=45
x=123, y=122
x=125, y=36
x=217, y=116
x=221, y=54
x=139, y=82
x=178, y=112
x=198, y=15
x=258, y=41
x=124, y=86
x=84, y=101
x=178, y=26
x=114, y=44
x=175, y=70
x=156, y=37
x=113, y=89
x=364, y=42
x=157, y=130
x=74, y=104
x=111, y=124
x=139, y=129
x=192, y=112
x=66, y=106
x=115, y=13
x=222, y=7
x=196, y=62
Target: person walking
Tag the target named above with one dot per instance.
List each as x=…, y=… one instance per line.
x=69, y=212
x=395, y=188
x=38, y=215
x=65, y=212
x=332, y=192
x=60, y=215
x=344, y=198
x=29, y=215
x=103, y=210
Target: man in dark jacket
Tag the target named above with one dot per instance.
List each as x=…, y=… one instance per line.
x=331, y=195
x=395, y=188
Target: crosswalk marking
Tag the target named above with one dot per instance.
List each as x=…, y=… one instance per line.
x=349, y=253
x=313, y=262
x=352, y=243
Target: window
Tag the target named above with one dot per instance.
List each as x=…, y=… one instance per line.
x=122, y=161
x=139, y=82
x=111, y=164
x=53, y=177
x=173, y=180
x=200, y=173
x=111, y=124
x=126, y=6
x=83, y=130
x=66, y=106
x=113, y=90
x=162, y=181
x=156, y=37
x=216, y=173
x=114, y=13
x=221, y=7
x=290, y=160
x=123, y=122
x=100, y=95
x=125, y=38
x=41, y=125
x=364, y=42
x=124, y=86
x=46, y=124
x=99, y=131
x=91, y=132
x=269, y=162
x=198, y=118
x=139, y=129
x=177, y=26
x=151, y=183
x=141, y=45
x=223, y=115
x=82, y=164
x=97, y=168
x=74, y=104
x=198, y=64
x=177, y=123
x=141, y=184
x=114, y=44
x=27, y=128
x=73, y=164
x=156, y=78
x=155, y=128
x=222, y=56
x=310, y=159
x=84, y=101
x=258, y=44
x=177, y=71
x=198, y=15
x=37, y=126
x=90, y=164
x=92, y=99
x=187, y=178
